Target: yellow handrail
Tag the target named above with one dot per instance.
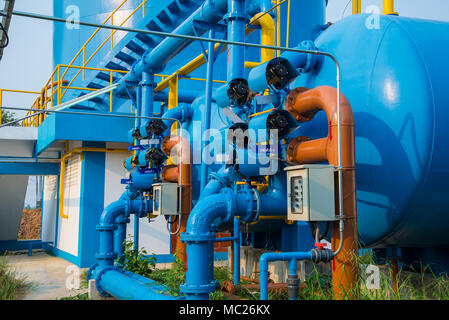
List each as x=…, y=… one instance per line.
x=388, y=7
x=356, y=6
x=12, y=91
x=41, y=102
x=60, y=90
x=79, y=151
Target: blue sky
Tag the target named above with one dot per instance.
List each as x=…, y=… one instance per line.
x=27, y=61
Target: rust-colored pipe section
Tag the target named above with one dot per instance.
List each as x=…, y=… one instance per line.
x=171, y=145
x=303, y=104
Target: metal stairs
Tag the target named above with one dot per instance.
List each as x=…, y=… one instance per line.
x=131, y=48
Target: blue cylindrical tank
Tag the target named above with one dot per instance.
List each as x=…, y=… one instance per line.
x=68, y=40
x=394, y=74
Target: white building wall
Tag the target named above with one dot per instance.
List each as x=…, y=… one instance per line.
x=153, y=237
x=49, y=206
x=68, y=228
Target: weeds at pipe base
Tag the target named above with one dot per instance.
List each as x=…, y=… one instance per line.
x=136, y=260
x=12, y=285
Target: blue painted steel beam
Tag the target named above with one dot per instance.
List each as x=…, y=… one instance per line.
x=83, y=127
x=29, y=168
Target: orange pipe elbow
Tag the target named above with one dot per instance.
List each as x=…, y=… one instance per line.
x=303, y=104
x=172, y=145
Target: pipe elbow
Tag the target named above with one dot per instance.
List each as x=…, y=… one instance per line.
x=264, y=260
x=181, y=113
x=171, y=145
x=304, y=103
x=206, y=212
x=170, y=173
x=224, y=177
x=111, y=212
x=265, y=21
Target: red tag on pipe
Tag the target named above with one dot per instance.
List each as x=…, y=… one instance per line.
x=330, y=130
x=320, y=246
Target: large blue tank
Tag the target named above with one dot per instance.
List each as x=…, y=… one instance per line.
x=67, y=41
x=395, y=77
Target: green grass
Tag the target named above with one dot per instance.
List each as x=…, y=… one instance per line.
x=418, y=285
x=11, y=283
x=172, y=278
x=81, y=296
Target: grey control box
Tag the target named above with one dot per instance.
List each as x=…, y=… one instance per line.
x=311, y=193
x=165, y=199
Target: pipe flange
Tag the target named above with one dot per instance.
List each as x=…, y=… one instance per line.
x=108, y=227
x=197, y=238
x=230, y=200
x=122, y=219
x=252, y=198
x=235, y=17
x=91, y=270
x=311, y=58
x=256, y=205
x=106, y=256
x=98, y=278
x=199, y=289
x=219, y=178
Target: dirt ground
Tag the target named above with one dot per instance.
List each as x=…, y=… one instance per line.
x=30, y=225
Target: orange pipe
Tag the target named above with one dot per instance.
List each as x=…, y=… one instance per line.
x=395, y=270
x=172, y=173
x=303, y=104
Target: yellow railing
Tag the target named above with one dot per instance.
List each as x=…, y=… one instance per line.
x=56, y=87
x=12, y=91
x=61, y=88
x=388, y=7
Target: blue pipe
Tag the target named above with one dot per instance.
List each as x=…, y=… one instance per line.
x=147, y=86
x=136, y=232
x=236, y=20
x=225, y=177
x=182, y=113
x=126, y=285
x=208, y=214
x=273, y=202
x=236, y=251
x=260, y=6
x=315, y=255
x=184, y=96
x=106, y=227
x=208, y=106
x=120, y=235
x=139, y=104
x=211, y=11
x=111, y=280
x=283, y=256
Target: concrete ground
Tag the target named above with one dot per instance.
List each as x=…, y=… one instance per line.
x=52, y=277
